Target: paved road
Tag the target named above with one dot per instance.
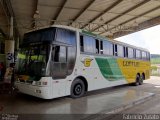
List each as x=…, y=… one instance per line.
x=91, y=103
x=150, y=108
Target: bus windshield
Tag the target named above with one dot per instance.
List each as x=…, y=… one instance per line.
x=32, y=60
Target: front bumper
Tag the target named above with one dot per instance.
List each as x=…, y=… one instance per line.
x=34, y=90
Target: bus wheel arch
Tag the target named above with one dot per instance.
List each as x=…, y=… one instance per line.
x=85, y=82
x=78, y=87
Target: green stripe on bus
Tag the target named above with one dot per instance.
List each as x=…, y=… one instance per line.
x=109, y=68
x=88, y=33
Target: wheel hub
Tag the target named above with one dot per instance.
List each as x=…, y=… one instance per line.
x=78, y=89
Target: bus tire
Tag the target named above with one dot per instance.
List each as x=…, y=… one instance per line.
x=137, y=80
x=141, y=80
x=77, y=88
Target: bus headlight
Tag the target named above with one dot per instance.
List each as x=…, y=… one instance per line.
x=38, y=83
x=41, y=83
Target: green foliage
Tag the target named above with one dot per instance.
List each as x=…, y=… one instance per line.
x=155, y=59
x=154, y=67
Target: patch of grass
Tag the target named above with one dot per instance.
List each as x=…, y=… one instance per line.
x=155, y=60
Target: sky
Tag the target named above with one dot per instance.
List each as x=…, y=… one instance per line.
x=148, y=38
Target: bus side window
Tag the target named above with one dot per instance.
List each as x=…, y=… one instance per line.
x=134, y=53
x=126, y=53
x=59, y=54
x=138, y=54
x=89, y=44
x=81, y=43
x=148, y=56
x=101, y=47
x=115, y=50
x=130, y=52
x=107, y=48
x=56, y=56
x=144, y=55
x=97, y=46
x=120, y=51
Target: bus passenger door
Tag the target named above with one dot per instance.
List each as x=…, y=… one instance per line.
x=59, y=62
x=58, y=69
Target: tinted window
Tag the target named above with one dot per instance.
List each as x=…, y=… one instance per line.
x=124, y=52
x=97, y=46
x=66, y=36
x=89, y=44
x=148, y=56
x=115, y=50
x=138, y=54
x=81, y=44
x=59, y=54
x=107, y=48
x=101, y=47
x=144, y=55
x=120, y=51
x=43, y=35
x=58, y=65
x=130, y=53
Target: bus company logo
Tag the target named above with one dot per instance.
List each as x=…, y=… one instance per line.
x=87, y=62
x=131, y=63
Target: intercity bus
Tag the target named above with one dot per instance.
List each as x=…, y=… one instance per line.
x=59, y=61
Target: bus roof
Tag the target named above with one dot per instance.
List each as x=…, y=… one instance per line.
x=58, y=26
x=90, y=34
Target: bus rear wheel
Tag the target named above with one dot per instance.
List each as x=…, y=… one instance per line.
x=137, y=82
x=77, y=88
x=141, y=80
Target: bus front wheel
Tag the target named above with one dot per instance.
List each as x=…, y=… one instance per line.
x=77, y=88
